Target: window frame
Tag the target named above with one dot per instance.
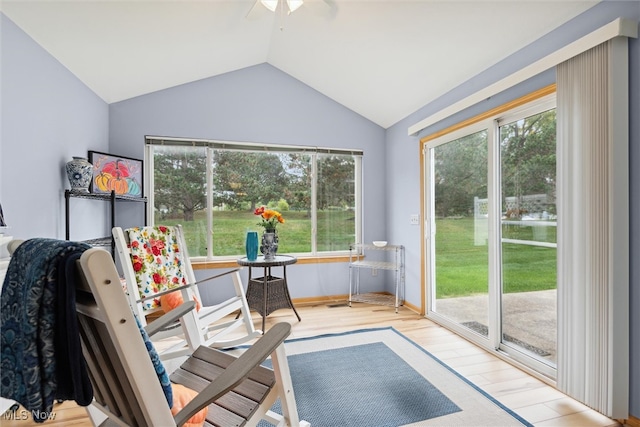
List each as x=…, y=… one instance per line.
x=210, y=259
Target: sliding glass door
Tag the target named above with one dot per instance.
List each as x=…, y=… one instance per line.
x=460, y=227
x=528, y=226
x=491, y=233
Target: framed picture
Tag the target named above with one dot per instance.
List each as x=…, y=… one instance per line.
x=116, y=173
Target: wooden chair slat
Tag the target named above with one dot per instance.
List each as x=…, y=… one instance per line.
x=263, y=376
x=108, y=373
x=220, y=417
x=235, y=402
x=249, y=388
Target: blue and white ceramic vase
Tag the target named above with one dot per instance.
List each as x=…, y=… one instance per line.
x=269, y=246
x=251, y=245
x=79, y=172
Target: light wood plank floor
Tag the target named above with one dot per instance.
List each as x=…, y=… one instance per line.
x=535, y=401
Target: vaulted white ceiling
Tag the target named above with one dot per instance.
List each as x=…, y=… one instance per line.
x=383, y=59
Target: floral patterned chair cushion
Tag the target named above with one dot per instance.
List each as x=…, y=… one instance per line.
x=157, y=261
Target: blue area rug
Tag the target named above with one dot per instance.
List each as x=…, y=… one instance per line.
x=378, y=377
x=362, y=385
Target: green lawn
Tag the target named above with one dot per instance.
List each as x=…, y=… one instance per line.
x=335, y=231
x=462, y=267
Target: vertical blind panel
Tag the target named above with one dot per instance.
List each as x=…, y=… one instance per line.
x=586, y=338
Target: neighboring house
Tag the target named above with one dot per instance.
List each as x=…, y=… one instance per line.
x=48, y=115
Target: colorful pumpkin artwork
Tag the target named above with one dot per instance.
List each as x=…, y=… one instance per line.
x=117, y=169
x=122, y=176
x=118, y=185
x=102, y=181
x=134, y=187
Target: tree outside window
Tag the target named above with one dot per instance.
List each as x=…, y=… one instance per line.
x=321, y=207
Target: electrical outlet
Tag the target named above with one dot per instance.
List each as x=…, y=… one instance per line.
x=414, y=219
x=374, y=271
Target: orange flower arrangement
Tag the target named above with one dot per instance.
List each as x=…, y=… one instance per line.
x=270, y=218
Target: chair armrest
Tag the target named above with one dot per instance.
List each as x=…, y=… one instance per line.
x=237, y=371
x=170, y=317
x=13, y=245
x=218, y=275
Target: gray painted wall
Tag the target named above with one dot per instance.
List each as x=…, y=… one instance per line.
x=403, y=165
x=47, y=117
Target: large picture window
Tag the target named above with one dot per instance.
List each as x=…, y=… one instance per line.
x=212, y=189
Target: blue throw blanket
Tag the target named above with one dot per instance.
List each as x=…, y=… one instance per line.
x=41, y=355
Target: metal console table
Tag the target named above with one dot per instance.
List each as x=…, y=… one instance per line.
x=268, y=293
x=389, y=257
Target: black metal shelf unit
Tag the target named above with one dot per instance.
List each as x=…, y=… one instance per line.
x=112, y=198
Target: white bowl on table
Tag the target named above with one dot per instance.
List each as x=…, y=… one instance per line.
x=380, y=243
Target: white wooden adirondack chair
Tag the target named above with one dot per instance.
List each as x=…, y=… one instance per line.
x=127, y=389
x=237, y=391
x=146, y=250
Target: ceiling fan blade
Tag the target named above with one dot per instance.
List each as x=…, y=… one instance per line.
x=256, y=11
x=324, y=8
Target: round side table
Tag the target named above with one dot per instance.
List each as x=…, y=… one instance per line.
x=268, y=293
